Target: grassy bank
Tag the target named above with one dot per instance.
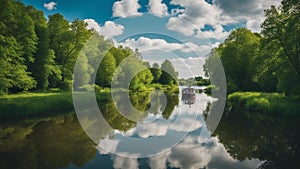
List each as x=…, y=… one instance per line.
x=18, y=106
x=264, y=102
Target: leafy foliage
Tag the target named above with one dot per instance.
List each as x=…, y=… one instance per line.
x=238, y=54
x=36, y=54
x=156, y=72
x=268, y=62
x=169, y=75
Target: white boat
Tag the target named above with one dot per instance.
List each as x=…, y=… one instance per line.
x=188, y=93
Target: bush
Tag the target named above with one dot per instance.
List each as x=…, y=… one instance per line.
x=264, y=102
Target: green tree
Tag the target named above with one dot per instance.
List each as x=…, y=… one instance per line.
x=141, y=80
x=67, y=41
x=130, y=70
x=268, y=66
x=58, y=27
x=147, y=64
x=17, y=44
x=95, y=49
x=82, y=73
x=106, y=70
x=282, y=28
x=43, y=64
x=169, y=75
x=13, y=70
x=60, y=42
x=120, y=53
x=21, y=26
x=156, y=72
x=238, y=54
x=80, y=35
x=282, y=25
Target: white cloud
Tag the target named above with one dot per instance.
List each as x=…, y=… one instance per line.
x=251, y=12
x=110, y=145
x=50, y=6
x=157, y=128
x=218, y=33
x=185, y=156
x=158, y=8
x=189, y=67
x=187, y=58
x=254, y=25
x=245, y=9
x=184, y=124
x=159, y=161
x=124, y=162
x=108, y=30
x=161, y=127
x=126, y=8
x=196, y=14
x=176, y=11
x=111, y=29
x=92, y=24
x=146, y=44
x=191, y=155
x=153, y=49
x=198, y=49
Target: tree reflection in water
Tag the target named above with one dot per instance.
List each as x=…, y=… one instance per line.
x=141, y=102
x=57, y=142
x=52, y=142
x=246, y=140
x=271, y=138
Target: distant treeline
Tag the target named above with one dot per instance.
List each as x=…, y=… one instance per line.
x=39, y=54
x=196, y=81
x=268, y=61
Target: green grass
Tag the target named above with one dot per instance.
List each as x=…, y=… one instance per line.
x=163, y=87
x=265, y=102
x=19, y=106
x=23, y=105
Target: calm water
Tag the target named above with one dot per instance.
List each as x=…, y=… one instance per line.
x=243, y=140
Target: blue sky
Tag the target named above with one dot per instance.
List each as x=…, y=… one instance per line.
x=100, y=10
x=183, y=31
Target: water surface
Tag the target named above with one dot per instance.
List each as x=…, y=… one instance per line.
x=243, y=140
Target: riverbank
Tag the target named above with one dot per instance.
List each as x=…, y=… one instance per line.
x=23, y=105
x=18, y=106
x=272, y=103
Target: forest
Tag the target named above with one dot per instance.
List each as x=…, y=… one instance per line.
x=39, y=54
x=263, y=69
x=268, y=61
x=47, y=62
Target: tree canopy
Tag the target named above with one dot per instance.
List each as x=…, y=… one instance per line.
x=269, y=61
x=39, y=54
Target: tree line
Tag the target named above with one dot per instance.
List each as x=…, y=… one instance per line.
x=268, y=61
x=194, y=81
x=38, y=53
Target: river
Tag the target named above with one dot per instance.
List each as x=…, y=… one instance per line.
x=243, y=140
